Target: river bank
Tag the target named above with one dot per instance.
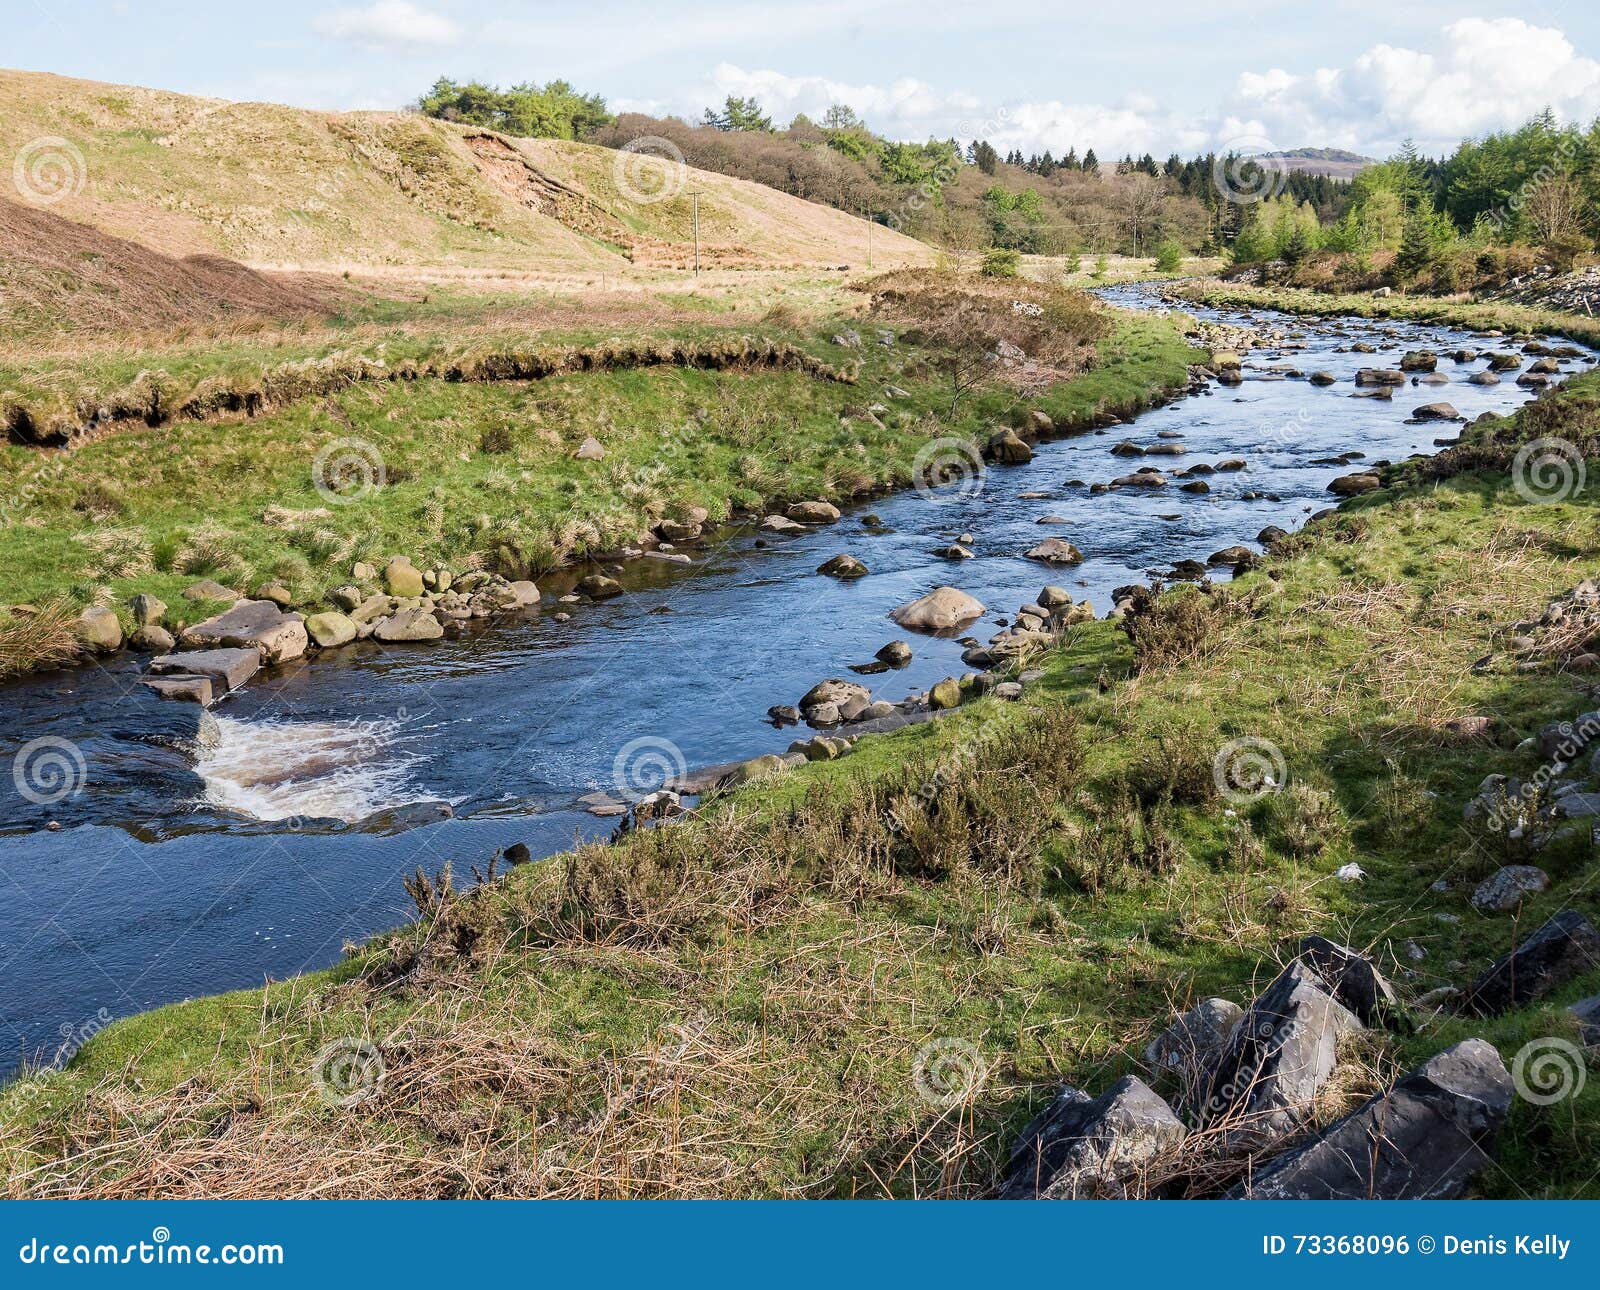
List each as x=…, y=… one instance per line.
x=860, y=977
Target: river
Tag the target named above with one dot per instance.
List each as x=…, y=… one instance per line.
x=169, y=874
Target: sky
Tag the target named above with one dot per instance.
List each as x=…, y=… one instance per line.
x=1154, y=76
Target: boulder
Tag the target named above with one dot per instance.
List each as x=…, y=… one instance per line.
x=227, y=669
x=1379, y=376
x=781, y=524
x=1194, y=1041
x=1505, y=888
x=522, y=594
x=599, y=587
x=147, y=610
x=182, y=688
x=151, y=639
x=98, y=629
x=409, y=625
x=1352, y=485
x=1419, y=360
x=1565, y=947
x=895, y=654
x=1232, y=555
x=813, y=513
x=941, y=609
x=1424, y=1139
x=1587, y=1011
x=955, y=551
x=402, y=579
x=209, y=589
x=1008, y=448
x=251, y=624
x=1436, y=412
x=1483, y=378
x=842, y=566
x=1126, y=449
x=1351, y=978
x=833, y=691
x=945, y=694
x=1053, y=597
x=1322, y=378
x=1056, y=551
x=277, y=593
x=330, y=630
x=1278, y=1060
x=589, y=450
x=1080, y=1147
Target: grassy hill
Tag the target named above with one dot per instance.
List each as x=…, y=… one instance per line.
x=386, y=192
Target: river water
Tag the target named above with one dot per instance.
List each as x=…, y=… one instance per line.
x=172, y=872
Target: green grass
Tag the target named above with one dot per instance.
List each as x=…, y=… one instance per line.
x=154, y=508
x=735, y=1006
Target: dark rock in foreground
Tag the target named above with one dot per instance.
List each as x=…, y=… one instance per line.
x=1081, y=1147
x=1565, y=947
x=1425, y=1139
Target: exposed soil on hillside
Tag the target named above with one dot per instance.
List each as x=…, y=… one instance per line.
x=60, y=276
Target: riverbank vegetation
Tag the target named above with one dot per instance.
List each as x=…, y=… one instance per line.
x=1493, y=210
x=454, y=437
x=745, y=1002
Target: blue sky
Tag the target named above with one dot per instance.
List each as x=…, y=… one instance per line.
x=1154, y=75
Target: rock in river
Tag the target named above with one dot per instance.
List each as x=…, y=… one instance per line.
x=1056, y=551
x=251, y=624
x=842, y=566
x=813, y=513
x=941, y=609
x=409, y=625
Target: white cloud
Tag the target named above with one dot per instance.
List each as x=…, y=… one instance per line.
x=1483, y=74
x=388, y=24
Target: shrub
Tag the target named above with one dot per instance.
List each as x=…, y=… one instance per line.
x=1000, y=262
x=1169, y=257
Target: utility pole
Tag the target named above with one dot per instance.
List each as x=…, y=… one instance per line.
x=870, y=223
x=696, y=196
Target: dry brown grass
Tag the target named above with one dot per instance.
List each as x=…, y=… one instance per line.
x=33, y=638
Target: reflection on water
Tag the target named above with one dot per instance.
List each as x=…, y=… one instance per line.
x=319, y=770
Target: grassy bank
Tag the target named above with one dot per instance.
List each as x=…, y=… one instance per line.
x=1451, y=312
x=475, y=469
x=744, y=1003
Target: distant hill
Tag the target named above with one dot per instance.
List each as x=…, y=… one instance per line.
x=1335, y=163
x=279, y=187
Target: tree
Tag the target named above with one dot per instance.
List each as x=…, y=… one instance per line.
x=738, y=114
x=1141, y=201
x=1091, y=163
x=985, y=157
x=552, y=111
x=1416, y=251
x=1553, y=209
x=1169, y=258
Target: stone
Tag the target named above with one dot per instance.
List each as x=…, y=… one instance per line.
x=1436, y=412
x=1424, y=1139
x=148, y=610
x=409, y=625
x=522, y=594
x=251, y=624
x=1056, y=551
x=945, y=694
x=402, y=579
x=277, y=593
x=942, y=609
x=955, y=551
x=1271, y=536
x=895, y=654
x=371, y=609
x=182, y=688
x=757, y=768
x=1483, y=378
x=1418, y=360
x=208, y=589
x=781, y=524
x=813, y=513
x=1126, y=449
x=1053, y=597
x=589, y=450
x=1578, y=806
x=1379, y=376
x=1505, y=889
x=1195, y=1039
x=227, y=669
x=331, y=629
x=1587, y=1012
x=1351, y=978
x=1040, y=422
x=346, y=598
x=599, y=587
x=1008, y=448
x=1353, y=485
x=1232, y=555
x=1080, y=1147
x=1565, y=947
x=97, y=628
x=833, y=691
x=152, y=639
x=842, y=566
x=1280, y=1057
x=677, y=531
x=1322, y=378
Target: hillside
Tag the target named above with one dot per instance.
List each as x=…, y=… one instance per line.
x=1335, y=163
x=58, y=275
x=282, y=187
